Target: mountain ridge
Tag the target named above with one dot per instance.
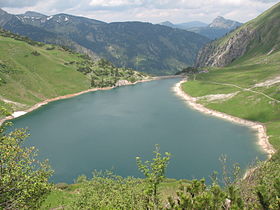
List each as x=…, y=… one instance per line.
x=219, y=27
x=146, y=47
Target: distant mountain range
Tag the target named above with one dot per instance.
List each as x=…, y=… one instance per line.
x=217, y=29
x=184, y=26
x=146, y=47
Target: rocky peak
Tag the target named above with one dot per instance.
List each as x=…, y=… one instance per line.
x=221, y=22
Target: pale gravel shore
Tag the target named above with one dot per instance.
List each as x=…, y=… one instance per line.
x=258, y=127
x=45, y=102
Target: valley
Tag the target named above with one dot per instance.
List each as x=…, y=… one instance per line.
x=87, y=92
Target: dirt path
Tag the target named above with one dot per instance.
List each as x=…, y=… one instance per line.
x=246, y=89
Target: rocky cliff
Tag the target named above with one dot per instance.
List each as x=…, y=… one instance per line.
x=221, y=54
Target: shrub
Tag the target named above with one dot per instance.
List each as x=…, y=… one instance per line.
x=108, y=191
x=35, y=53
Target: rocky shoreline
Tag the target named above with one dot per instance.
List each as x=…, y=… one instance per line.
x=258, y=127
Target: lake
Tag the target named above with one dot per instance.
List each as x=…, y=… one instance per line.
x=109, y=129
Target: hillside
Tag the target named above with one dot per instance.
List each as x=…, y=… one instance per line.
x=255, y=38
x=31, y=72
x=154, y=49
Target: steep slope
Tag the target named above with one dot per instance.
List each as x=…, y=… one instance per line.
x=145, y=47
x=258, y=37
x=217, y=29
x=31, y=72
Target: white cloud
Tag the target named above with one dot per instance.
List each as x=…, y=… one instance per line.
x=147, y=10
x=113, y=3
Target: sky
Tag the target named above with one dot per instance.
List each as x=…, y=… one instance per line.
x=154, y=11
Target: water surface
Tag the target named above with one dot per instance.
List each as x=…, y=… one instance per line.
x=108, y=129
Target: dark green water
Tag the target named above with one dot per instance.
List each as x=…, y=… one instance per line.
x=108, y=129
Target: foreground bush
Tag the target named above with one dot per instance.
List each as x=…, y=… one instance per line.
x=23, y=179
x=108, y=191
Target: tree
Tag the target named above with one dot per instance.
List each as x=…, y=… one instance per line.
x=23, y=179
x=196, y=195
x=154, y=172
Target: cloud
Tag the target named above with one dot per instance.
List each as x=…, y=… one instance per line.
x=18, y=3
x=145, y=10
x=267, y=1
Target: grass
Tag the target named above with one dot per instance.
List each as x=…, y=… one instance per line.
x=245, y=104
x=37, y=77
x=31, y=73
x=58, y=198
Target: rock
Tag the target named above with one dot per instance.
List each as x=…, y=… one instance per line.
x=227, y=203
x=219, y=53
x=122, y=83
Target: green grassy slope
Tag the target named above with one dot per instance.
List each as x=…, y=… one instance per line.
x=31, y=72
x=248, y=104
x=267, y=38
x=267, y=28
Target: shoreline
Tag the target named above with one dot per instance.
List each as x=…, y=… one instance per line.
x=260, y=129
x=45, y=102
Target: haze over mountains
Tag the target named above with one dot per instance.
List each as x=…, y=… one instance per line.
x=146, y=47
x=217, y=29
x=184, y=26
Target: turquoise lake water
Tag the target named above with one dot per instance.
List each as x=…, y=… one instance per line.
x=108, y=129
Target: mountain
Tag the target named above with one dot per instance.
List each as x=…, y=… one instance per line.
x=31, y=72
x=168, y=23
x=16, y=25
x=184, y=26
x=221, y=22
x=31, y=14
x=146, y=47
x=260, y=36
x=217, y=29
